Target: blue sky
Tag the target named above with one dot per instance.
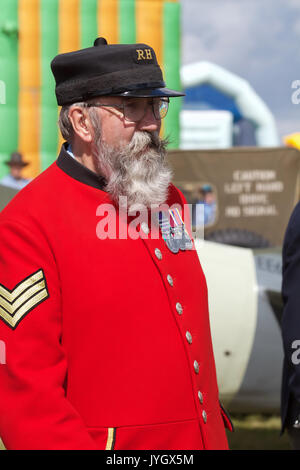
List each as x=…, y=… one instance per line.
x=258, y=40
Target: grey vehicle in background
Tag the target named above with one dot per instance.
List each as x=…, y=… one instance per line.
x=245, y=308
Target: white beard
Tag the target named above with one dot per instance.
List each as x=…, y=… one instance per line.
x=136, y=171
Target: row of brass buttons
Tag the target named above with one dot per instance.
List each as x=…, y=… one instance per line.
x=188, y=335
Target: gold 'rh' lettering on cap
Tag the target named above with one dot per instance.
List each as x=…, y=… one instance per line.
x=144, y=54
x=140, y=54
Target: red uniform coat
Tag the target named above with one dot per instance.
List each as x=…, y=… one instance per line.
x=101, y=336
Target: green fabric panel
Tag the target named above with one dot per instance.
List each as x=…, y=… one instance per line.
x=171, y=55
x=9, y=81
x=48, y=109
x=88, y=22
x=127, y=27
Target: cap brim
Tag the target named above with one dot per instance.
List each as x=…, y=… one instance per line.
x=150, y=92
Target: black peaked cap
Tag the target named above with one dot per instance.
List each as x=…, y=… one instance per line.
x=114, y=69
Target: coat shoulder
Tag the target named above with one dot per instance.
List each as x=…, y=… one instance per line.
x=292, y=232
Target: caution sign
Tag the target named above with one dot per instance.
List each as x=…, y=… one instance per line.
x=250, y=190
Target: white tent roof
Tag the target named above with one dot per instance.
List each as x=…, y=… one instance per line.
x=251, y=106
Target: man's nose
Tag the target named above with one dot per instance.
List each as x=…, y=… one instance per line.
x=149, y=122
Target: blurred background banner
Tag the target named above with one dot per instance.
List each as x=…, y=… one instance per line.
x=32, y=32
x=252, y=188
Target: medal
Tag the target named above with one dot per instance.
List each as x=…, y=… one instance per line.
x=175, y=236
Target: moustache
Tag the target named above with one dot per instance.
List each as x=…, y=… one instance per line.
x=143, y=141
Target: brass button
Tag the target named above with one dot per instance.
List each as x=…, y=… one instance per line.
x=204, y=416
x=145, y=228
x=200, y=396
x=158, y=253
x=179, y=308
x=196, y=367
x=170, y=280
x=189, y=337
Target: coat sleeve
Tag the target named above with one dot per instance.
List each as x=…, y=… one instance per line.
x=291, y=299
x=34, y=411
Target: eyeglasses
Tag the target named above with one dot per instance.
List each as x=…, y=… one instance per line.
x=135, y=110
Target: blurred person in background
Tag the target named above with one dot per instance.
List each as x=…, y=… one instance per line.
x=14, y=179
x=290, y=325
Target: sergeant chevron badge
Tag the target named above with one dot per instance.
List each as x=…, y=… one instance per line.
x=173, y=231
x=16, y=303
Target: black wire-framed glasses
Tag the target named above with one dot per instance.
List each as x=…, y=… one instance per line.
x=135, y=110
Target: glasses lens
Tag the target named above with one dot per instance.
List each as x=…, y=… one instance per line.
x=160, y=108
x=134, y=110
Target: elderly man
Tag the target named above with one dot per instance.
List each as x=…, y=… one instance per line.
x=107, y=336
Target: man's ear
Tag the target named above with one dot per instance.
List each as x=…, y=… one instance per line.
x=81, y=123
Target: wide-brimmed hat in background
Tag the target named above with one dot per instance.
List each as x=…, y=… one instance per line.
x=16, y=159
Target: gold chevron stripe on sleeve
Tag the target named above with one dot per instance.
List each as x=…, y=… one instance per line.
x=11, y=307
x=23, y=298
x=11, y=295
